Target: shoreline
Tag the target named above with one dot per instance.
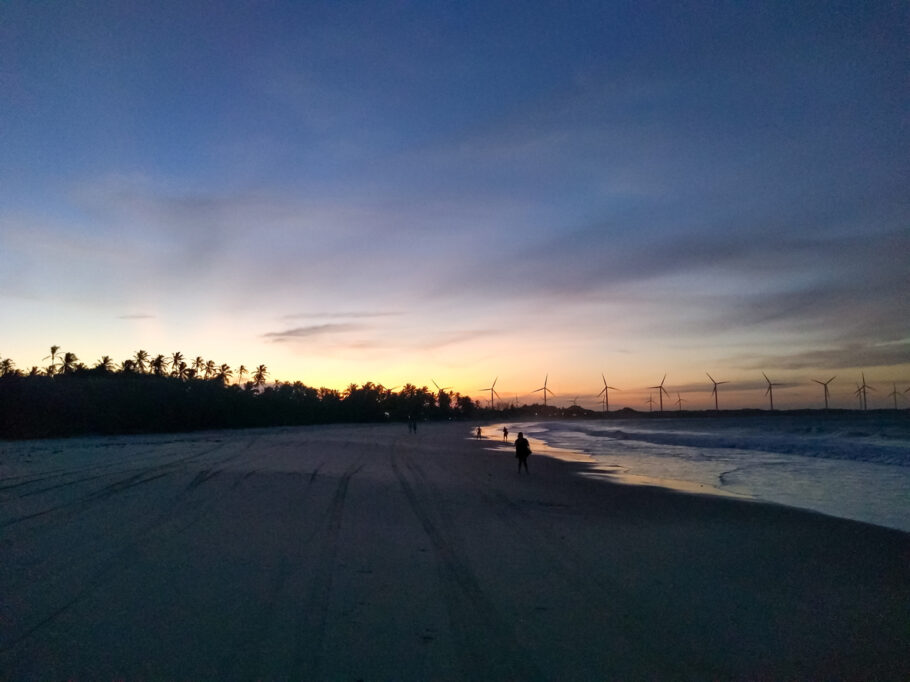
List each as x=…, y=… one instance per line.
x=366, y=552
x=866, y=490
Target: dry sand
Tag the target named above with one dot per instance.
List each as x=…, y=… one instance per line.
x=368, y=553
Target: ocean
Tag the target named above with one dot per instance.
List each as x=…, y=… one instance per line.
x=851, y=465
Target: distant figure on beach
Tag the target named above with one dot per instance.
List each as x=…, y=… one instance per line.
x=478, y=433
x=505, y=433
x=522, y=451
x=412, y=425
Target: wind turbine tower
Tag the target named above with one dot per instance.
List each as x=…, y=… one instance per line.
x=714, y=390
x=544, y=389
x=650, y=402
x=605, y=392
x=770, y=390
x=861, y=391
x=680, y=401
x=492, y=390
x=824, y=384
x=661, y=391
x=894, y=393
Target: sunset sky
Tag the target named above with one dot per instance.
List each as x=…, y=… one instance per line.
x=408, y=191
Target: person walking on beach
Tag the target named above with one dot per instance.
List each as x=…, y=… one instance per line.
x=478, y=432
x=522, y=451
x=505, y=434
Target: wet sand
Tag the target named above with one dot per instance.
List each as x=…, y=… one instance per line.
x=365, y=552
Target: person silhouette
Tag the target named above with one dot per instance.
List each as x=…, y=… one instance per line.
x=522, y=451
x=505, y=434
x=478, y=432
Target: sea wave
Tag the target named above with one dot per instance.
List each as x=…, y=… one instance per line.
x=885, y=441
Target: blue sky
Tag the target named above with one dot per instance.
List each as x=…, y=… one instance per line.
x=407, y=191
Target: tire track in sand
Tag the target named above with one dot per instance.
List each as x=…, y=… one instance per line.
x=308, y=659
x=486, y=645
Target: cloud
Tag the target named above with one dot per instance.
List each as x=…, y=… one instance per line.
x=311, y=331
x=339, y=316
x=139, y=316
x=851, y=356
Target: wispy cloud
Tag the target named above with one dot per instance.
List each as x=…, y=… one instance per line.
x=855, y=356
x=138, y=316
x=353, y=315
x=311, y=331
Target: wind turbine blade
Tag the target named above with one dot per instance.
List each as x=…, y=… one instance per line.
x=494, y=381
x=831, y=379
x=710, y=377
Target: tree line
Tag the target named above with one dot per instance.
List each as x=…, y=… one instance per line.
x=159, y=393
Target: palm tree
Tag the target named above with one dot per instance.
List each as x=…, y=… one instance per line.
x=105, y=364
x=68, y=363
x=6, y=367
x=34, y=371
x=141, y=358
x=209, y=369
x=52, y=368
x=158, y=365
x=240, y=372
x=198, y=365
x=176, y=359
x=224, y=373
x=260, y=375
x=128, y=366
x=182, y=372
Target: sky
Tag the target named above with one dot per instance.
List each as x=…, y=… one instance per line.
x=461, y=192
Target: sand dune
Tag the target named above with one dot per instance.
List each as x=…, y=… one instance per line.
x=365, y=552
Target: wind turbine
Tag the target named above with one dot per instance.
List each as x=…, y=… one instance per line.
x=861, y=391
x=660, y=391
x=650, y=402
x=770, y=391
x=714, y=390
x=605, y=392
x=825, y=385
x=680, y=401
x=492, y=390
x=544, y=389
x=438, y=388
x=894, y=393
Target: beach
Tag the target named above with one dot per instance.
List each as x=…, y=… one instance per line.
x=365, y=552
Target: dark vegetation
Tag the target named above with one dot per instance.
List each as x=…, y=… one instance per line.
x=164, y=394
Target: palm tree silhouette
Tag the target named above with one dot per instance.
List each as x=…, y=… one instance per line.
x=182, y=372
x=140, y=360
x=209, y=369
x=260, y=375
x=240, y=372
x=53, y=357
x=176, y=359
x=158, y=365
x=105, y=364
x=224, y=373
x=198, y=365
x=6, y=367
x=68, y=363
